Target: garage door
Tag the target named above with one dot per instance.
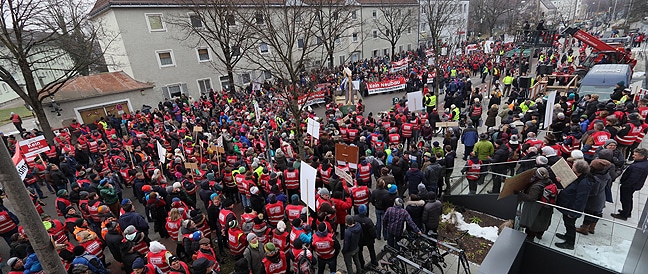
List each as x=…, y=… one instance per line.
x=90, y=115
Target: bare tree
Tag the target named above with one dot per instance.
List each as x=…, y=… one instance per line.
x=393, y=22
x=335, y=20
x=285, y=36
x=30, y=37
x=217, y=24
x=488, y=13
x=439, y=14
x=76, y=37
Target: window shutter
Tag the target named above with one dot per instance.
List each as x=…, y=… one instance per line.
x=165, y=92
x=184, y=88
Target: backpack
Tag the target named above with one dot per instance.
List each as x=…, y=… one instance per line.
x=304, y=264
x=549, y=194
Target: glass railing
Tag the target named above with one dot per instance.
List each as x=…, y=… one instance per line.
x=607, y=247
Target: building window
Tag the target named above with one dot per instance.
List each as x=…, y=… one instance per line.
x=337, y=39
x=400, y=48
x=374, y=14
x=298, y=18
x=354, y=15
x=375, y=53
x=342, y=59
x=409, y=30
x=375, y=34
x=300, y=43
x=386, y=52
x=155, y=22
x=196, y=21
x=203, y=55
x=231, y=20
x=175, y=90
x=245, y=78
x=235, y=51
x=225, y=84
x=355, y=37
x=409, y=46
x=267, y=74
x=336, y=15
x=165, y=58
x=204, y=85
x=263, y=48
x=319, y=41
x=258, y=17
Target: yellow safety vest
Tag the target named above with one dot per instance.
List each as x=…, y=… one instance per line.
x=508, y=80
x=431, y=100
x=453, y=73
x=455, y=114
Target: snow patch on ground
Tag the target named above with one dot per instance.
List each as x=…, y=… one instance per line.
x=488, y=233
x=612, y=257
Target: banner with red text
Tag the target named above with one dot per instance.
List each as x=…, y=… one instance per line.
x=34, y=146
x=21, y=165
x=386, y=85
x=312, y=99
x=399, y=65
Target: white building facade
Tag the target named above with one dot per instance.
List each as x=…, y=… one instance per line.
x=456, y=27
x=148, y=48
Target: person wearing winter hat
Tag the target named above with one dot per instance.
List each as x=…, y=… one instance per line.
x=206, y=251
x=281, y=237
x=368, y=235
x=159, y=256
x=93, y=263
x=394, y=221
x=16, y=265
x=254, y=254
x=275, y=260
x=202, y=266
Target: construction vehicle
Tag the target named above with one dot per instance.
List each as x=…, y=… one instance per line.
x=601, y=52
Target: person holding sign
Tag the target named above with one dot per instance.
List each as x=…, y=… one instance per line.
x=574, y=197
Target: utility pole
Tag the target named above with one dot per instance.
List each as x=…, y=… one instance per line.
x=26, y=212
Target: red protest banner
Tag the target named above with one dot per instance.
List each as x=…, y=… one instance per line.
x=34, y=146
x=386, y=85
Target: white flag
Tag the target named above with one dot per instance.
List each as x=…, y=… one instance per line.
x=161, y=152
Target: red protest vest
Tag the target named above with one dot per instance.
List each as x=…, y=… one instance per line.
x=407, y=130
x=275, y=268
x=364, y=172
x=280, y=240
x=293, y=211
x=173, y=227
x=234, y=235
x=291, y=179
x=473, y=170
x=360, y=195
x=6, y=223
x=323, y=246
x=275, y=213
x=159, y=260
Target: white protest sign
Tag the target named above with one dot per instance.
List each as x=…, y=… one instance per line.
x=343, y=175
x=415, y=101
x=307, y=176
x=161, y=152
x=551, y=100
x=313, y=128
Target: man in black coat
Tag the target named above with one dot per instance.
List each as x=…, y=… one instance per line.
x=632, y=180
x=573, y=197
x=500, y=156
x=114, y=240
x=368, y=234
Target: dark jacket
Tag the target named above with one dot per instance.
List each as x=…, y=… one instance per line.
x=600, y=179
x=352, y=236
x=114, y=241
x=415, y=210
x=368, y=229
x=635, y=175
x=135, y=219
x=414, y=177
x=574, y=196
x=379, y=199
x=500, y=155
x=469, y=137
x=535, y=217
x=431, y=214
x=433, y=174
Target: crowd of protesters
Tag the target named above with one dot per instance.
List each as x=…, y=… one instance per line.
x=189, y=162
